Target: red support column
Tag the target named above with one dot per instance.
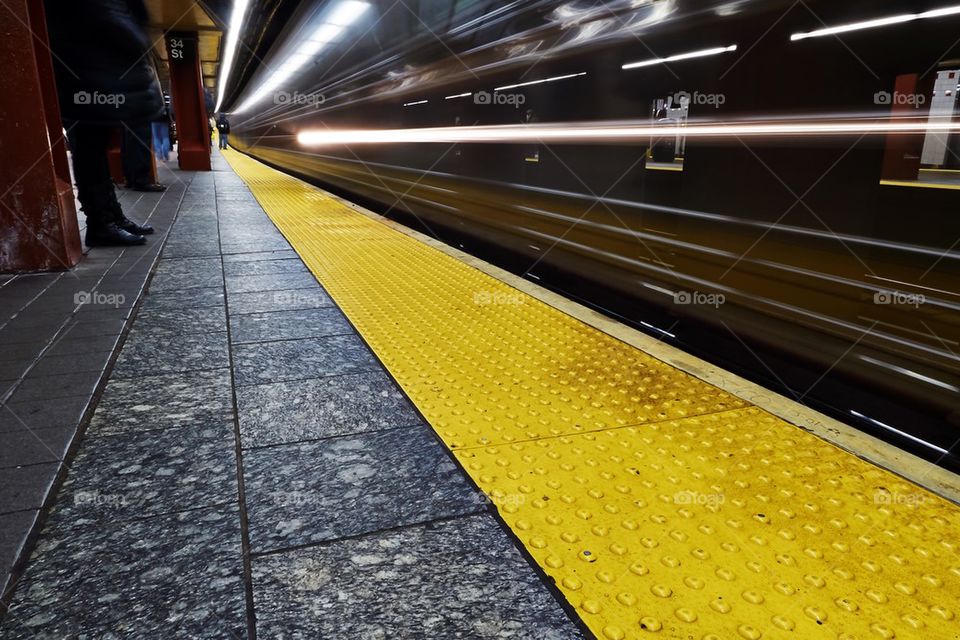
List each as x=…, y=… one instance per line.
x=189, y=107
x=38, y=218
x=901, y=159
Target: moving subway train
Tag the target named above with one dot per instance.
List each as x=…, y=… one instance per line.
x=771, y=185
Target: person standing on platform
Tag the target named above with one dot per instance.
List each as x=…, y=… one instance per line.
x=223, y=129
x=104, y=80
x=138, y=158
x=161, y=136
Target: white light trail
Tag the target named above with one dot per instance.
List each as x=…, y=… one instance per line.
x=878, y=22
x=703, y=53
x=650, y=326
x=898, y=432
x=410, y=104
x=625, y=132
x=460, y=95
x=910, y=374
x=230, y=48
x=533, y=82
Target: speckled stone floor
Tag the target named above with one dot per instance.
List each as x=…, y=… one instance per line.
x=251, y=470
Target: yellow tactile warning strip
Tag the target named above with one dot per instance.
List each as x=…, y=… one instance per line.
x=660, y=505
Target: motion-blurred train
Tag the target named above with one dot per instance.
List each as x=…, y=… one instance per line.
x=823, y=261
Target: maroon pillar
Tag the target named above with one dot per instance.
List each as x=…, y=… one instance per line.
x=901, y=159
x=38, y=218
x=189, y=107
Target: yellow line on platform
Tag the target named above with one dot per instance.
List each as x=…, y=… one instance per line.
x=660, y=505
x=920, y=185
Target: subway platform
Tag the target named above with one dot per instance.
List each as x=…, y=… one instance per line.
x=286, y=417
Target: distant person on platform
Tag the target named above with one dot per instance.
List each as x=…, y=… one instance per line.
x=223, y=129
x=104, y=80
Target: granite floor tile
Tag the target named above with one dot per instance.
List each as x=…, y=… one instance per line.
x=347, y=486
x=190, y=249
x=264, y=267
x=186, y=299
x=21, y=350
x=187, y=267
x=137, y=475
x=265, y=362
x=84, y=330
x=14, y=528
x=274, y=244
x=147, y=354
x=258, y=256
x=457, y=579
x=182, y=320
x=50, y=365
x=37, y=387
x=287, y=412
x=280, y=300
x=189, y=280
x=163, y=402
x=23, y=488
x=9, y=335
x=270, y=282
x=42, y=414
x=185, y=542
x=14, y=369
x=27, y=447
x=288, y=325
x=67, y=344
x=156, y=603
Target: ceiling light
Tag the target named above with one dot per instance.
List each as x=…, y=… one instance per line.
x=342, y=16
x=230, y=48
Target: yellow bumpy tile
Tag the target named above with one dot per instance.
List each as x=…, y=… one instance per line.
x=660, y=505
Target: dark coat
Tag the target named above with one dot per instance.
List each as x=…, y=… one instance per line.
x=101, y=57
x=223, y=126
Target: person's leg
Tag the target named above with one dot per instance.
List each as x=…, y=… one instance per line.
x=137, y=137
x=98, y=201
x=226, y=140
x=157, y=142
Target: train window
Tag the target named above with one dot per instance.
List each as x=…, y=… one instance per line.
x=666, y=153
x=931, y=160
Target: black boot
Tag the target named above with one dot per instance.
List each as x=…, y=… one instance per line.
x=126, y=223
x=130, y=226
x=110, y=234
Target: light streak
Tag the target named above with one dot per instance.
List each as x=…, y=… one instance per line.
x=618, y=132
